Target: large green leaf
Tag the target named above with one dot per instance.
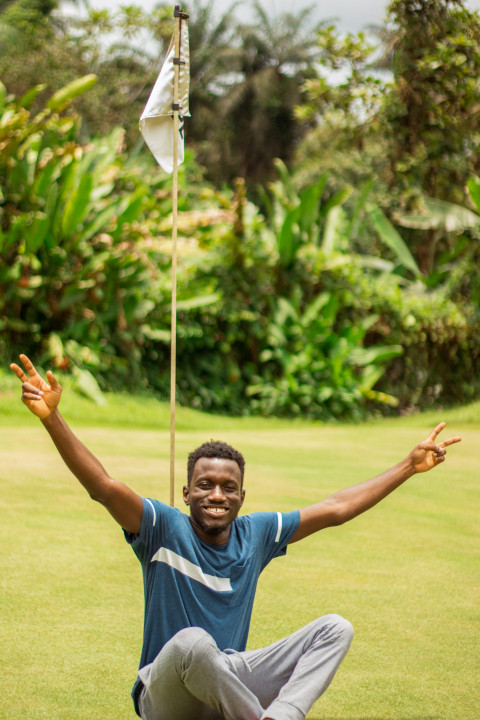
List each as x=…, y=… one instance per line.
x=156, y=334
x=101, y=219
x=12, y=120
x=358, y=207
x=317, y=306
x=376, y=354
x=441, y=215
x=198, y=301
x=393, y=239
x=86, y=384
x=62, y=97
x=77, y=206
x=45, y=178
x=66, y=185
x=334, y=231
x=288, y=240
x=36, y=231
x=473, y=186
x=29, y=97
x=310, y=207
x=51, y=207
x=101, y=155
x=338, y=199
x=3, y=95
x=133, y=209
x=285, y=311
x=287, y=182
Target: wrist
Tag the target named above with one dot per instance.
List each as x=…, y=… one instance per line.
x=409, y=466
x=51, y=419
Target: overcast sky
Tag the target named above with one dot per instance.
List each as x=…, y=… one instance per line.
x=351, y=15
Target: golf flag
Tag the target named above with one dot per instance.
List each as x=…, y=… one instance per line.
x=156, y=122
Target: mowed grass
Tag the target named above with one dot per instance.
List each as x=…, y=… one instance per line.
x=406, y=574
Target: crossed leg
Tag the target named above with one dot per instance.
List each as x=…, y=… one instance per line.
x=288, y=676
x=191, y=679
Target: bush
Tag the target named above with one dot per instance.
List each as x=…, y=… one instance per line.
x=277, y=314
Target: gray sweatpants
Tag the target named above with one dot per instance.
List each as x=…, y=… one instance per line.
x=191, y=679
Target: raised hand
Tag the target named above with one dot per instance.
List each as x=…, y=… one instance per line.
x=39, y=396
x=427, y=454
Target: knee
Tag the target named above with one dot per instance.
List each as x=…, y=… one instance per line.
x=189, y=639
x=192, y=645
x=338, y=627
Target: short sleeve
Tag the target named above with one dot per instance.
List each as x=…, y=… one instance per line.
x=151, y=530
x=275, y=530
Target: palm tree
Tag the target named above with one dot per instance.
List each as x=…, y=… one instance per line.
x=275, y=56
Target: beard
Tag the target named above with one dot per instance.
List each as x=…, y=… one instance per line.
x=216, y=530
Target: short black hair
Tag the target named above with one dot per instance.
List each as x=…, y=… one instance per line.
x=215, y=449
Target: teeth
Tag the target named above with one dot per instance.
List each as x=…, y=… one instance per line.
x=217, y=510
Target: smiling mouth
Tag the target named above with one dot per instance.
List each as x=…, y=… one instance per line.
x=216, y=511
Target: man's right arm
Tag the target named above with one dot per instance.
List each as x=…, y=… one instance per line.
x=42, y=400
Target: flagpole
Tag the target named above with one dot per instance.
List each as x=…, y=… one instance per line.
x=173, y=332
x=166, y=108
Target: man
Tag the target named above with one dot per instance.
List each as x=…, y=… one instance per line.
x=200, y=574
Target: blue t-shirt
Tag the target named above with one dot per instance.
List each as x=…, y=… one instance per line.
x=189, y=583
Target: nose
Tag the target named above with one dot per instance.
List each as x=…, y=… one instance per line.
x=217, y=494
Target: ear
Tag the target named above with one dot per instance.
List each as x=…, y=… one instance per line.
x=186, y=495
x=243, y=497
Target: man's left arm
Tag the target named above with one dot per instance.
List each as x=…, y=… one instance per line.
x=346, y=504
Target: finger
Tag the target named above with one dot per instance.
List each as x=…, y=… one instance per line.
x=28, y=388
x=29, y=366
x=18, y=372
x=54, y=384
x=436, y=431
x=30, y=396
x=437, y=452
x=450, y=441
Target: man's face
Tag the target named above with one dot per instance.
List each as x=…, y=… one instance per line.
x=215, y=496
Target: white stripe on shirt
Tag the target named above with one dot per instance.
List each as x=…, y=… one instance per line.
x=153, y=510
x=279, y=531
x=177, y=562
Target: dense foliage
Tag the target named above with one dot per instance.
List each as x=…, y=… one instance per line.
x=317, y=299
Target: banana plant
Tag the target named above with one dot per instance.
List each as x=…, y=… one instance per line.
x=307, y=217
x=69, y=263
x=455, y=224
x=311, y=368
x=79, y=265
x=444, y=216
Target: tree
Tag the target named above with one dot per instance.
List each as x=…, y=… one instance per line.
x=245, y=80
x=213, y=63
x=275, y=57
x=340, y=108
x=52, y=49
x=431, y=112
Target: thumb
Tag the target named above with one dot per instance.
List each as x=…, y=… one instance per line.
x=427, y=445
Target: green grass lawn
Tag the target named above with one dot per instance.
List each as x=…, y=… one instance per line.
x=406, y=574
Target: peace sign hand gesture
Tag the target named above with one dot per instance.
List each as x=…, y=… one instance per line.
x=40, y=397
x=427, y=454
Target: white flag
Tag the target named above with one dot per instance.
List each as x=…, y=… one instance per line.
x=156, y=123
